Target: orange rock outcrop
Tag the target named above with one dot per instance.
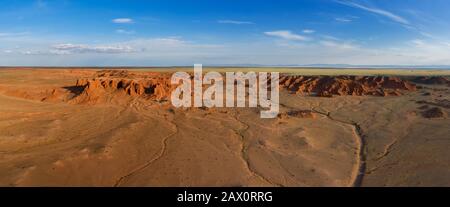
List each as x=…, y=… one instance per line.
x=327, y=86
x=150, y=85
x=156, y=86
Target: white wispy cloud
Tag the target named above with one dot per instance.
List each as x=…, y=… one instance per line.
x=346, y=18
x=418, y=43
x=342, y=19
x=123, y=31
x=123, y=21
x=8, y=34
x=430, y=43
x=81, y=48
x=172, y=44
x=390, y=15
x=32, y=52
x=308, y=31
x=428, y=51
x=340, y=45
x=329, y=37
x=234, y=22
x=178, y=51
x=286, y=34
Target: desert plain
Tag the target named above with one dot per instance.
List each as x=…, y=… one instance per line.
x=336, y=127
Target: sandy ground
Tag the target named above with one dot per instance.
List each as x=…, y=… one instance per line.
x=347, y=141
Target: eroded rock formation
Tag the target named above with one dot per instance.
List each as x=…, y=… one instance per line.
x=150, y=85
x=432, y=80
x=156, y=86
x=327, y=86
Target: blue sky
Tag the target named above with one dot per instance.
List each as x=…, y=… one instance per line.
x=215, y=32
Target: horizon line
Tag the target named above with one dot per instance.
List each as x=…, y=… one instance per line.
x=316, y=66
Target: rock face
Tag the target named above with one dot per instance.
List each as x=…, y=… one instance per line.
x=113, y=73
x=154, y=86
x=432, y=80
x=327, y=86
x=107, y=85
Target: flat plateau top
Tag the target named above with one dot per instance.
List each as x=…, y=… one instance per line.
x=299, y=71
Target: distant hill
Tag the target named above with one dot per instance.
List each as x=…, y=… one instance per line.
x=337, y=66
